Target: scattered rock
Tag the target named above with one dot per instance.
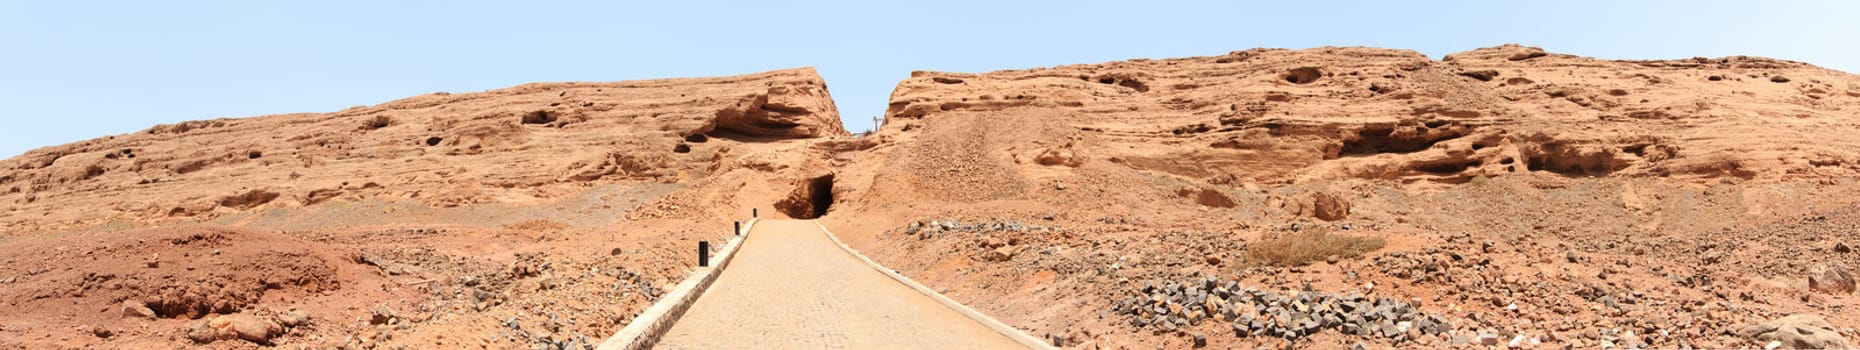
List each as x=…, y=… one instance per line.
x=1201, y=340
x=1779, y=79
x=1841, y=247
x=1290, y=315
x=938, y=228
x=1800, y=331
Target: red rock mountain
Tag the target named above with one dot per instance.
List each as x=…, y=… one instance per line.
x=1324, y=197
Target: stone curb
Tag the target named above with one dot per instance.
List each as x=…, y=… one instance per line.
x=1019, y=337
x=650, y=325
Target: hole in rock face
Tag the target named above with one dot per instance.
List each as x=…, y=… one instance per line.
x=379, y=121
x=1376, y=139
x=1637, y=150
x=1304, y=75
x=821, y=195
x=1135, y=85
x=1125, y=81
x=1572, y=162
x=538, y=117
x=810, y=200
x=1447, y=168
x=254, y=154
x=434, y=141
x=681, y=148
x=697, y=138
x=93, y=171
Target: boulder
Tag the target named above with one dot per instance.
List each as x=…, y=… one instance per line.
x=1330, y=207
x=1831, y=280
x=136, y=309
x=382, y=315
x=245, y=327
x=293, y=319
x=1800, y=331
x=999, y=254
x=202, y=333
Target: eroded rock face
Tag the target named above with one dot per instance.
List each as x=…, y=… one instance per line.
x=442, y=149
x=1271, y=115
x=784, y=111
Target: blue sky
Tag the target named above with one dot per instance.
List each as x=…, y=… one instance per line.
x=75, y=70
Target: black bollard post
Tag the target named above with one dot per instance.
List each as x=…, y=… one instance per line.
x=703, y=253
x=739, y=228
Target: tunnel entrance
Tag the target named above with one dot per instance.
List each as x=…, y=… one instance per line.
x=810, y=199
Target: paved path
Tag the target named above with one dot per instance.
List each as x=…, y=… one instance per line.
x=790, y=287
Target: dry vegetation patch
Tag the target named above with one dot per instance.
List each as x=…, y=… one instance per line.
x=1303, y=247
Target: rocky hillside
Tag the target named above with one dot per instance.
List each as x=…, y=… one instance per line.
x=1089, y=203
x=537, y=216
x=523, y=144
x=1282, y=116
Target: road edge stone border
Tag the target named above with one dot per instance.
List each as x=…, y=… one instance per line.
x=651, y=324
x=1009, y=331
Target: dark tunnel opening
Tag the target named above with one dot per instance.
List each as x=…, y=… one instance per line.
x=811, y=200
